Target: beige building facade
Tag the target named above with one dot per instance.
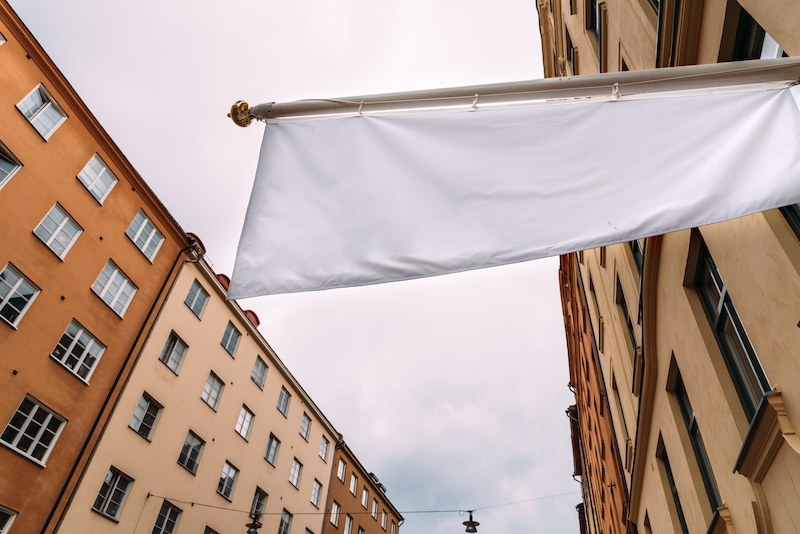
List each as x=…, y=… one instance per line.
x=211, y=427
x=696, y=332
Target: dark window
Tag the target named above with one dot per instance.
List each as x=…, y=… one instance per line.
x=673, y=490
x=593, y=17
x=637, y=248
x=792, y=214
x=749, y=38
x=740, y=356
x=703, y=462
x=623, y=304
x=571, y=55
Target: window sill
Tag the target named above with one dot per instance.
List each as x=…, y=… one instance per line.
x=114, y=519
x=34, y=460
x=138, y=434
x=194, y=474
x=70, y=371
x=120, y=315
x=224, y=497
x=721, y=523
x=53, y=252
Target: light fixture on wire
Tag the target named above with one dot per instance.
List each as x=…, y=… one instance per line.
x=252, y=528
x=471, y=525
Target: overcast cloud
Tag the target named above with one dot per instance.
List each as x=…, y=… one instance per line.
x=451, y=389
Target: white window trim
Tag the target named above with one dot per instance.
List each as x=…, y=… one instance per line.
x=263, y=377
x=9, y=156
x=327, y=443
x=272, y=438
x=316, y=491
x=52, y=445
x=2, y=41
x=307, y=427
x=288, y=396
x=335, y=509
x=127, y=281
x=118, y=475
x=7, y=527
x=233, y=483
x=341, y=470
x=166, y=358
x=353, y=484
x=150, y=402
x=201, y=291
x=93, y=341
x=234, y=332
x=155, y=232
x=244, y=424
x=96, y=178
x=50, y=102
x=22, y=277
x=295, y=473
x=219, y=395
x=61, y=225
x=188, y=455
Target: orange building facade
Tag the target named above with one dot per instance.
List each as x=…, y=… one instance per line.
x=357, y=502
x=86, y=252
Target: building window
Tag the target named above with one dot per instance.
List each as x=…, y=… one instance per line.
x=394, y=528
x=699, y=448
x=323, y=448
x=212, y=391
x=58, y=231
x=97, y=178
x=340, y=470
x=259, y=504
x=114, y=288
x=190, y=452
x=272, y=449
x=360, y=530
x=294, y=474
x=78, y=351
x=283, y=401
x=348, y=524
x=17, y=293
x=792, y=214
x=593, y=17
x=227, y=480
x=305, y=426
x=245, y=422
x=9, y=165
x=740, y=356
x=383, y=519
x=2, y=40
x=673, y=489
x=167, y=520
x=42, y=111
x=33, y=430
x=626, y=316
x=259, y=372
x=112, y=494
x=286, y=522
x=173, y=352
x=196, y=299
x=637, y=249
x=316, y=489
x=365, y=497
x=353, y=483
x=7, y=517
x=210, y=530
x=145, y=235
x=145, y=416
x=375, y=509
x=335, y=514
x=230, y=339
x=572, y=54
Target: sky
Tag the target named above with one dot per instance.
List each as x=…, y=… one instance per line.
x=451, y=389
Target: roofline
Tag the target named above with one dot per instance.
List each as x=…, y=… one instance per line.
x=346, y=448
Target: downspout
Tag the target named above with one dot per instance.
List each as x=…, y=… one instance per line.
x=119, y=376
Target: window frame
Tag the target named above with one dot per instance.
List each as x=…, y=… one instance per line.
x=353, y=484
x=4, y=301
x=284, y=398
x=126, y=281
x=217, y=379
x=259, y=374
x=167, y=507
x=324, y=445
x=348, y=524
x=36, y=441
x=171, y=347
x=341, y=470
x=374, y=508
x=140, y=421
x=335, y=509
x=154, y=233
x=200, y=291
x=223, y=489
x=90, y=183
x=673, y=489
x=244, y=423
x=295, y=473
x=69, y=351
x=286, y=522
x=48, y=103
x=6, y=154
x=230, y=331
x=259, y=503
x=305, y=422
x=316, y=491
x=791, y=213
x=4, y=529
x=59, y=227
x=107, y=499
x=383, y=519
x=365, y=498
x=273, y=440
x=187, y=454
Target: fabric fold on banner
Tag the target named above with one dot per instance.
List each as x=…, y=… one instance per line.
x=366, y=200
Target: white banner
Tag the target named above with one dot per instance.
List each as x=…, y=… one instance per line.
x=365, y=200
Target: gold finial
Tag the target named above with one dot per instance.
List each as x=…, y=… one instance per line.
x=240, y=114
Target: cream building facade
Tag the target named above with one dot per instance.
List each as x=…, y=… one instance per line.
x=210, y=427
x=696, y=333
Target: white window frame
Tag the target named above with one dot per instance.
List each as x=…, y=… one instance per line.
x=259, y=503
x=4, y=529
x=154, y=234
x=365, y=498
x=305, y=426
x=48, y=103
x=353, y=484
x=207, y=395
x=192, y=443
x=295, y=473
x=103, y=290
x=4, y=301
x=113, y=488
x=341, y=469
x=199, y=292
x=174, y=352
x=89, y=181
x=286, y=522
x=78, y=346
x=335, y=508
x=259, y=374
x=394, y=528
x=7, y=155
x=284, y=398
x=146, y=406
x=227, y=482
x=245, y=422
x=2, y=41
x=324, y=443
x=375, y=509
x=383, y=519
x=348, y=524
x=316, y=490
x=273, y=444
x=170, y=509
x=54, y=237
x=230, y=332
x=13, y=444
